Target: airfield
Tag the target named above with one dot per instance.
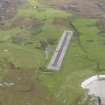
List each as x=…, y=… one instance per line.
x=24, y=76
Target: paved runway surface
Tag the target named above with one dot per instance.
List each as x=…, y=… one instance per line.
x=60, y=51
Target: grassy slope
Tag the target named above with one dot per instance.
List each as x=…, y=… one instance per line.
x=24, y=55
x=65, y=84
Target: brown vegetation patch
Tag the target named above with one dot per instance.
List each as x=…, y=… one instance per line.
x=60, y=21
x=27, y=22
x=8, y=8
x=25, y=91
x=88, y=8
x=21, y=22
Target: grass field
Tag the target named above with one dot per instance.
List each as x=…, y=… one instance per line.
x=77, y=65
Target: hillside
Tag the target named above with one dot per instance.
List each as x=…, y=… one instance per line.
x=24, y=34
x=90, y=8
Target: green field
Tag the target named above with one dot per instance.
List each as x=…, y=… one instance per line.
x=25, y=52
